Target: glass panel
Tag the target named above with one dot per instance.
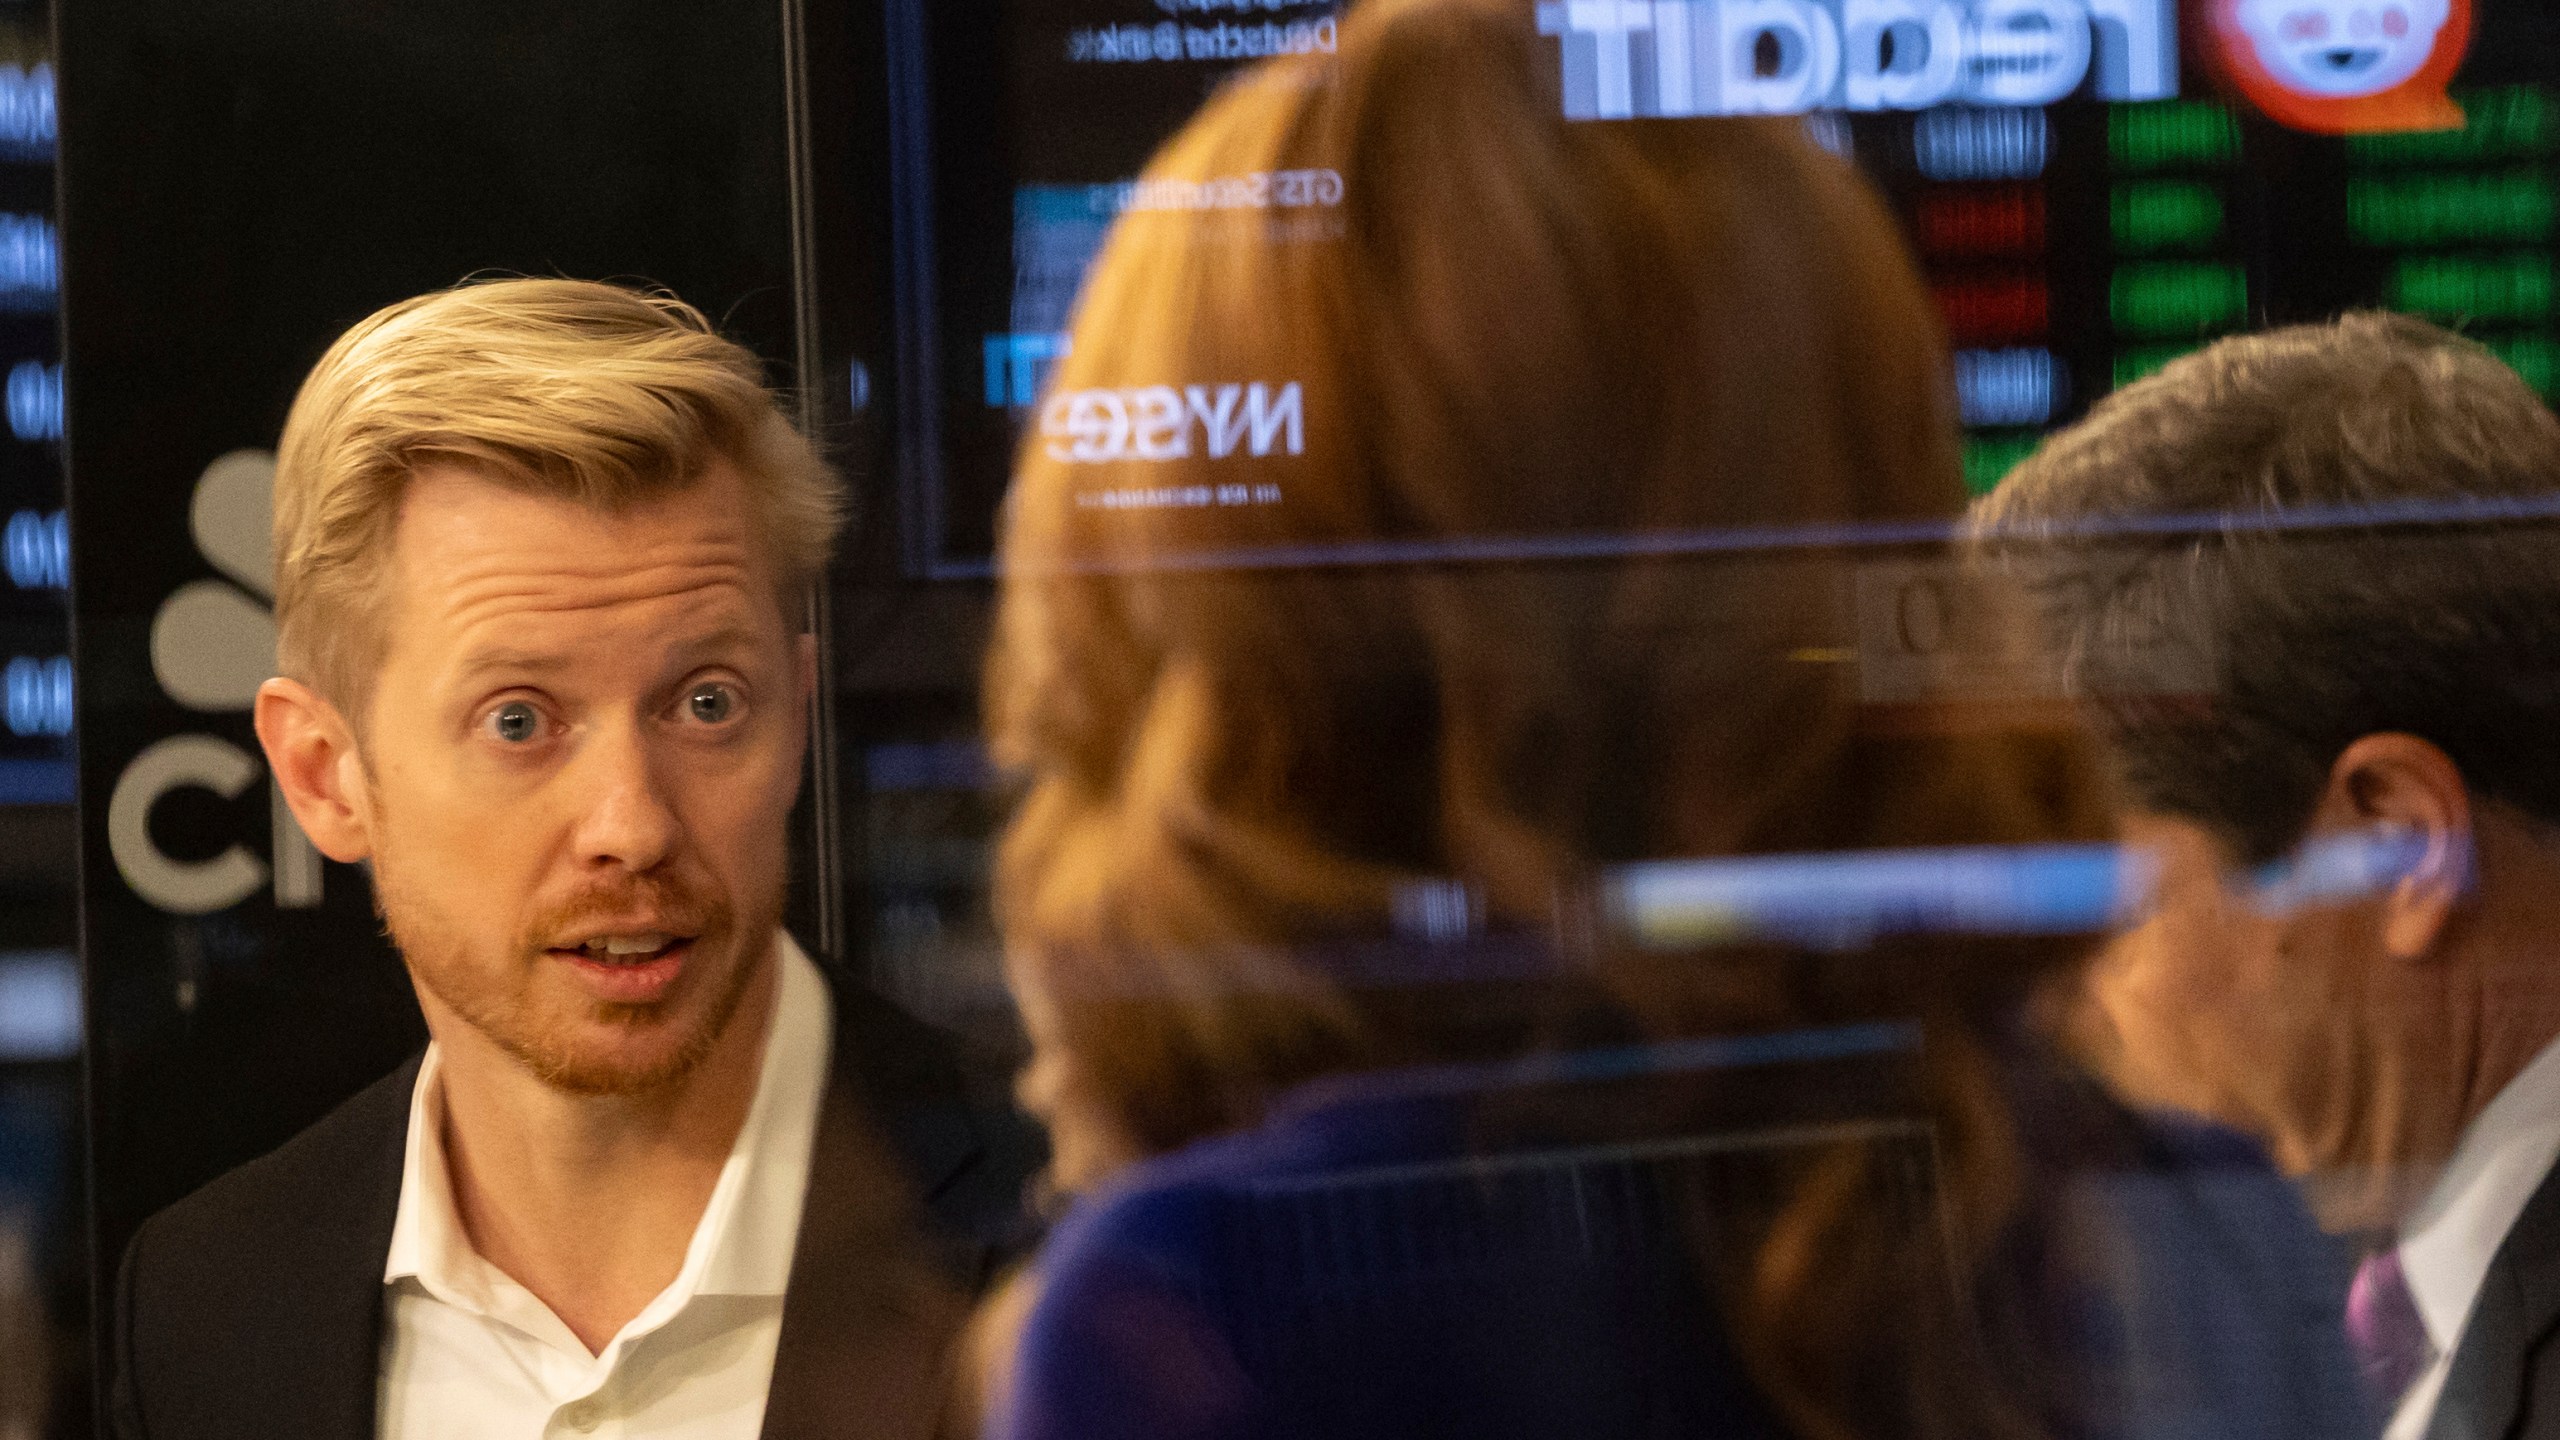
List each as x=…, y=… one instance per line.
x=1582, y=822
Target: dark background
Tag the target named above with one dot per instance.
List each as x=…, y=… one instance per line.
x=243, y=179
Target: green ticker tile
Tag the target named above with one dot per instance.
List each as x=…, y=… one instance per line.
x=1990, y=455
x=2178, y=297
x=2535, y=357
x=2463, y=288
x=2422, y=208
x=2166, y=215
x=2498, y=123
x=2162, y=134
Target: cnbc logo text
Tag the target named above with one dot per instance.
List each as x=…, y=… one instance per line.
x=1628, y=58
x=1160, y=422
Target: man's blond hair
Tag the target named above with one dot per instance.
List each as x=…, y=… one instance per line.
x=571, y=389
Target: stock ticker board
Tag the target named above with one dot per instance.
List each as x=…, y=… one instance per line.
x=2092, y=187
x=35, y=548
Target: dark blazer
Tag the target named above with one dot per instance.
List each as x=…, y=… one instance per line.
x=254, y=1307
x=2505, y=1379
x=1386, y=1264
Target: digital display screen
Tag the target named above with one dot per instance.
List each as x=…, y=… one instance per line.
x=2090, y=188
x=1018, y=135
x=2093, y=187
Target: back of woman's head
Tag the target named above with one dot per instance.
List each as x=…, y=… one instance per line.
x=1248, y=710
x=1357, y=545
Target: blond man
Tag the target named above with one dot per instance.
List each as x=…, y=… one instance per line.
x=541, y=547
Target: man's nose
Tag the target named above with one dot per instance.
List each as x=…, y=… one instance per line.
x=628, y=821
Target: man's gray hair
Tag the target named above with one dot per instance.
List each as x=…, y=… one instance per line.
x=2340, y=530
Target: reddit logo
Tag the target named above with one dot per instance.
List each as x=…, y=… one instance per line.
x=2338, y=67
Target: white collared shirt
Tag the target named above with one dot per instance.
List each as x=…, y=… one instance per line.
x=468, y=1352
x=2446, y=1246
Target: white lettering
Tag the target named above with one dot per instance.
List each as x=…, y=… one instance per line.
x=1092, y=424
x=1780, y=57
x=1266, y=416
x=1155, y=423
x=1255, y=190
x=1167, y=41
x=2137, y=49
x=2028, y=52
x=1625, y=58
x=1675, y=58
x=1176, y=7
x=1159, y=431
x=1178, y=497
x=1224, y=426
x=1901, y=54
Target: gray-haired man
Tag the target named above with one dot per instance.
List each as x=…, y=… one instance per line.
x=2334, y=527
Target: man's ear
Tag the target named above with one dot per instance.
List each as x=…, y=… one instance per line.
x=2401, y=784
x=312, y=751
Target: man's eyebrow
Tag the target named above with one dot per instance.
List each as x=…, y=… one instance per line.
x=511, y=659
x=517, y=660
x=726, y=637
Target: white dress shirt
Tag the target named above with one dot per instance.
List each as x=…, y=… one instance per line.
x=468, y=1352
x=2446, y=1246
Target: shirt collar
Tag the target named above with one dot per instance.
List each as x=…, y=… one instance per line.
x=744, y=1242
x=751, y=1245
x=427, y=1242
x=2449, y=1242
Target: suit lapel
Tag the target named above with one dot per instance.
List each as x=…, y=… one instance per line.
x=300, y=1350
x=345, y=1310
x=878, y=1289
x=2510, y=1323
x=350, y=1314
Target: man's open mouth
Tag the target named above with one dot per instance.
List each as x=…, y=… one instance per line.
x=631, y=967
x=632, y=949
x=2349, y=60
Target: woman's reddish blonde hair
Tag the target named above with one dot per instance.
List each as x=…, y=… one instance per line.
x=1513, y=336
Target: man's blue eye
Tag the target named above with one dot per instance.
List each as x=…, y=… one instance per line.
x=711, y=704
x=515, y=722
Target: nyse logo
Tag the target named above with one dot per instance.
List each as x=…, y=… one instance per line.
x=212, y=644
x=1625, y=58
x=1157, y=422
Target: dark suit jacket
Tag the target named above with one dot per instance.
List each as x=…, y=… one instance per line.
x=253, y=1309
x=2505, y=1380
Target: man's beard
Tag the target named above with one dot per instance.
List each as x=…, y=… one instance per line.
x=546, y=1043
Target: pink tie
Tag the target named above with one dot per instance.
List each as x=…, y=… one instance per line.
x=2384, y=1327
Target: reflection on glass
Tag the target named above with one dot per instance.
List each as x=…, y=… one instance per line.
x=1559, y=882
x=1549, y=871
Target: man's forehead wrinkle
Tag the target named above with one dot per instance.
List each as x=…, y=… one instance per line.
x=477, y=572
x=537, y=584
x=595, y=557
x=489, y=618
x=475, y=530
